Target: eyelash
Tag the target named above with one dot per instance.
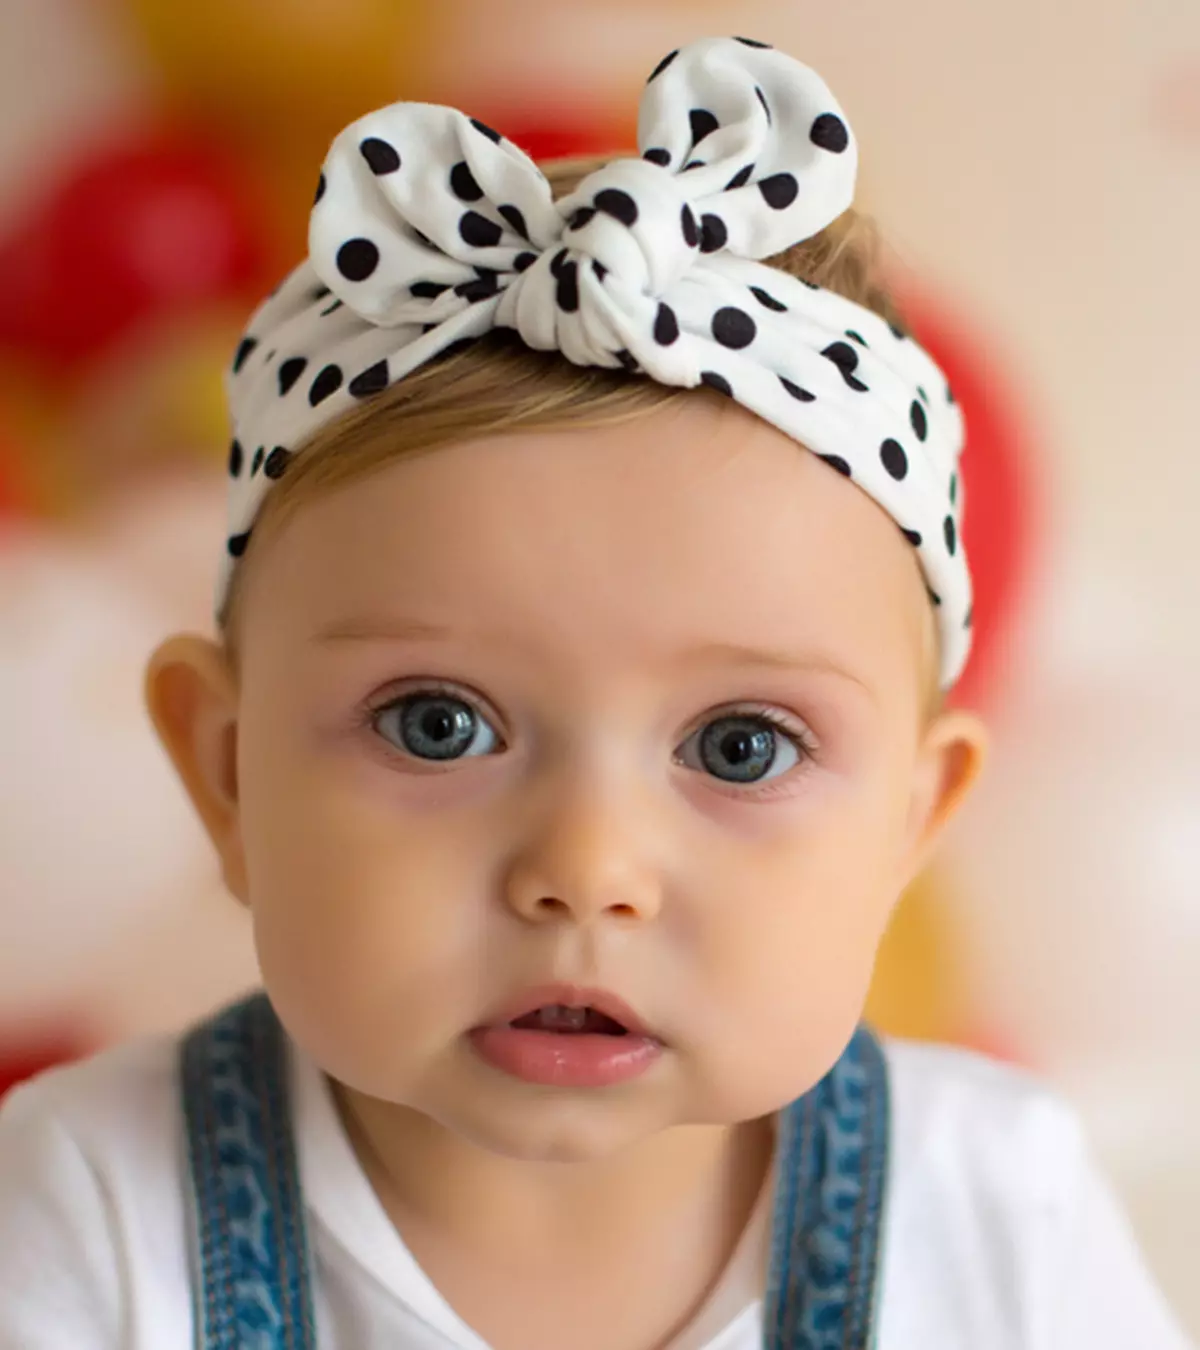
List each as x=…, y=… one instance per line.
x=801, y=740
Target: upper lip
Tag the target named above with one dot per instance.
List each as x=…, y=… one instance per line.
x=572, y=996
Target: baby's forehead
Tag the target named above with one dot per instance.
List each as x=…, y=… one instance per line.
x=697, y=524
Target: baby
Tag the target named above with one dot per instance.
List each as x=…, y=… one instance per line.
x=576, y=720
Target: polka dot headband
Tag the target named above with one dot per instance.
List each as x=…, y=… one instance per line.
x=430, y=229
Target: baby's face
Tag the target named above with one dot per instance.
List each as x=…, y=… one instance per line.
x=500, y=724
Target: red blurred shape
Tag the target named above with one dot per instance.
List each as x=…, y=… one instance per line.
x=20, y=1061
x=1001, y=509
x=143, y=225
x=566, y=140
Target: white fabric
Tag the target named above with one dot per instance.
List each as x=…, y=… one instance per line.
x=1000, y=1233
x=430, y=229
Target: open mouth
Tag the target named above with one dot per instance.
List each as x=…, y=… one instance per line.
x=566, y=1021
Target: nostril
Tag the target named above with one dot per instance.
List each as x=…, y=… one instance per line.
x=550, y=905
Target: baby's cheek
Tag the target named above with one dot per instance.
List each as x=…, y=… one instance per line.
x=789, y=971
x=361, y=930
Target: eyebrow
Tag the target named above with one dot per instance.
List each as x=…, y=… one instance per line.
x=708, y=653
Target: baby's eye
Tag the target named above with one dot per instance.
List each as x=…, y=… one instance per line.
x=435, y=726
x=743, y=747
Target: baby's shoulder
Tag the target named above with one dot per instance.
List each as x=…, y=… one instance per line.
x=92, y=1218
x=961, y=1119
x=116, y=1101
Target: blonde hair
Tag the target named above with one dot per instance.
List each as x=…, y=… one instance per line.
x=499, y=385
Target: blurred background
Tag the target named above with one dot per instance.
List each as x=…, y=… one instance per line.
x=1036, y=169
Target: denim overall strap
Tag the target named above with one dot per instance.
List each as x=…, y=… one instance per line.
x=822, y=1291
x=252, y=1282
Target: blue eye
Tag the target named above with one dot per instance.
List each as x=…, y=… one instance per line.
x=434, y=726
x=745, y=747
x=439, y=725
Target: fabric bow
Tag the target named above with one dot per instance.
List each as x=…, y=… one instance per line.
x=430, y=229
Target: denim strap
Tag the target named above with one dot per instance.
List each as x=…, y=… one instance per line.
x=823, y=1287
x=253, y=1290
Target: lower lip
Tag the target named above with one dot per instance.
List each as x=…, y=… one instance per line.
x=560, y=1059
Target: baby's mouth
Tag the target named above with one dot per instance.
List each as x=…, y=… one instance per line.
x=568, y=1021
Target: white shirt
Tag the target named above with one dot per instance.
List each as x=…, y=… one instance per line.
x=1000, y=1234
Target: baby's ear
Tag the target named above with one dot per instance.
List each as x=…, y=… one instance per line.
x=191, y=694
x=952, y=756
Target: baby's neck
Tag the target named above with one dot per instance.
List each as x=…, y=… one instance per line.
x=700, y=1177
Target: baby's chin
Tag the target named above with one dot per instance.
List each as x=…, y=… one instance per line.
x=469, y=1101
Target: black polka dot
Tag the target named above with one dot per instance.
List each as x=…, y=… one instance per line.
x=357, y=259
x=663, y=64
x=328, y=382
x=780, y=190
x=897, y=332
x=568, y=287
x=913, y=536
x=319, y=293
x=516, y=219
x=485, y=130
x=658, y=156
x=337, y=304
x=691, y=234
x=767, y=300
x=922, y=394
x=951, y=534
x=740, y=179
x=762, y=98
x=950, y=395
x=856, y=337
x=627, y=360
x=256, y=462
x=381, y=156
x=829, y=132
x=427, y=290
x=934, y=597
x=245, y=347
x=580, y=217
x=713, y=234
x=478, y=231
x=270, y=356
x=750, y=42
x=237, y=544
x=463, y=184
x=838, y=463
x=666, y=326
x=558, y=262
x=843, y=355
x=717, y=382
x=920, y=423
x=373, y=380
x=734, y=327
x=953, y=488
x=812, y=285
x=895, y=461
x=796, y=392
x=423, y=239
x=483, y=287
x=599, y=268
x=703, y=124
x=620, y=205
x=277, y=462
x=524, y=261
x=236, y=459
x=290, y=372
x=320, y=192
x=970, y=619
x=694, y=164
